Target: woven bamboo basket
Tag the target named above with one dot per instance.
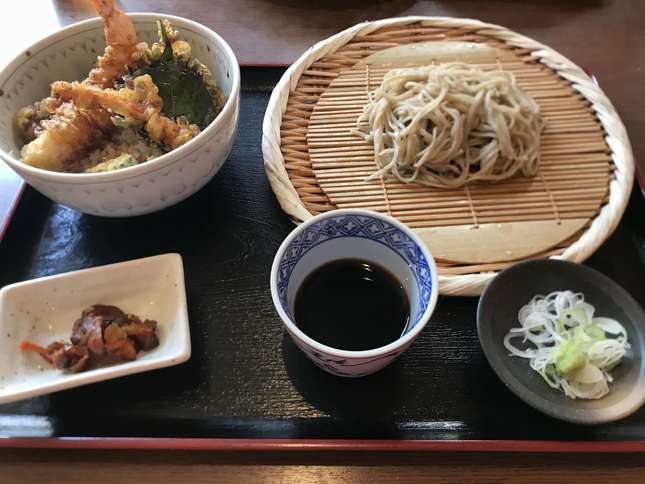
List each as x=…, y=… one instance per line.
x=315, y=164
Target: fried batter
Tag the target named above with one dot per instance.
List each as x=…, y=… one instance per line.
x=66, y=136
x=141, y=104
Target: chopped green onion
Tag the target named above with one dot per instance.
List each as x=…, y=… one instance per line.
x=567, y=345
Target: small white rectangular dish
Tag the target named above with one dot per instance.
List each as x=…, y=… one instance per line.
x=44, y=310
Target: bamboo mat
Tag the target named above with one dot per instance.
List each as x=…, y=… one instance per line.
x=327, y=164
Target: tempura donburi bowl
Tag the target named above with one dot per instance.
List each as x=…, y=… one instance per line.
x=149, y=186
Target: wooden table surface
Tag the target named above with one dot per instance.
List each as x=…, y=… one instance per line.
x=80, y=467
x=604, y=36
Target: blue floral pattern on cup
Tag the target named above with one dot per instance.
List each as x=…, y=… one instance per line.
x=364, y=227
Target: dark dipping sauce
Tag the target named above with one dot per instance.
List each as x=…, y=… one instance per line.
x=352, y=304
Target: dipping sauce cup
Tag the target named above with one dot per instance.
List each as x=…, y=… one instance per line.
x=354, y=234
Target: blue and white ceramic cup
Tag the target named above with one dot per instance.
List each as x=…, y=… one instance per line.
x=361, y=234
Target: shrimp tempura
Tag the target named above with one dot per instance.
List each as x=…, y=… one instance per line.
x=141, y=104
x=121, y=39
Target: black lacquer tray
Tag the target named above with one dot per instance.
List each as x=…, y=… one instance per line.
x=247, y=386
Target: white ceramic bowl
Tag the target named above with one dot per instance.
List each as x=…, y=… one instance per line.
x=68, y=55
x=354, y=234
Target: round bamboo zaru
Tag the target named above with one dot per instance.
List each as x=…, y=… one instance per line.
x=314, y=164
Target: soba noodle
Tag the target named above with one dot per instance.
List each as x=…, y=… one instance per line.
x=449, y=124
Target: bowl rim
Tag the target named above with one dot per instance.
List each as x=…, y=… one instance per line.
x=381, y=350
x=582, y=416
x=155, y=164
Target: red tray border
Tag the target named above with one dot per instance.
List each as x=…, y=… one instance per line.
x=324, y=445
x=318, y=445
